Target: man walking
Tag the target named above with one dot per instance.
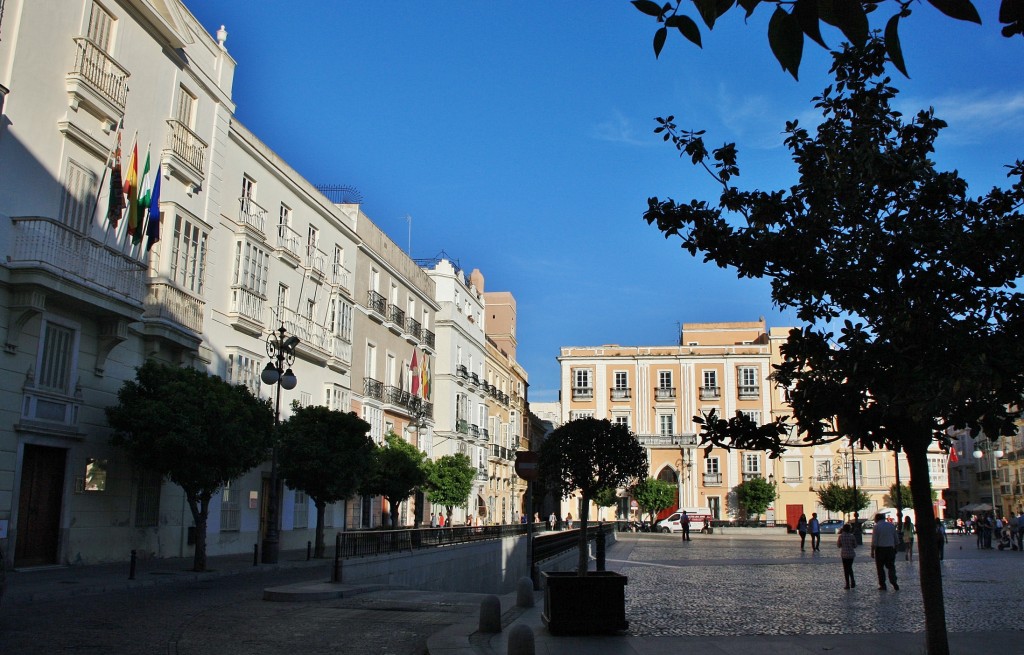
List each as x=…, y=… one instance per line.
x=684, y=523
x=883, y=550
x=814, y=527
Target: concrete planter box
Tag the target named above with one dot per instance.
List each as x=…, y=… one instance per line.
x=594, y=603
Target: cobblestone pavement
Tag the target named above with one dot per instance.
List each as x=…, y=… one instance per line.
x=720, y=586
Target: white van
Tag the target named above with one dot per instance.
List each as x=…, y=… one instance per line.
x=696, y=514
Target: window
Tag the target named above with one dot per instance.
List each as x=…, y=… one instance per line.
x=748, y=381
x=751, y=463
x=188, y=255
x=823, y=470
x=581, y=389
x=56, y=358
x=101, y=27
x=96, y=471
x=666, y=424
x=622, y=420
x=375, y=417
x=76, y=201
x=230, y=510
x=301, y=520
x=282, y=300
x=621, y=380
x=664, y=379
x=284, y=217
x=577, y=414
x=147, y=500
x=337, y=398
x=248, y=190
x=244, y=369
x=251, y=264
x=791, y=471
x=754, y=416
x=345, y=321
x=711, y=465
x=710, y=379
x=312, y=238
x=185, y=110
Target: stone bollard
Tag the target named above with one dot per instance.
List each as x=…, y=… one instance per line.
x=524, y=592
x=490, y=614
x=520, y=640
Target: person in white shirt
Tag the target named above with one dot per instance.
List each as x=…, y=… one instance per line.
x=883, y=550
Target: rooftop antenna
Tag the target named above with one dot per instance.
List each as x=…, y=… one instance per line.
x=679, y=333
x=408, y=219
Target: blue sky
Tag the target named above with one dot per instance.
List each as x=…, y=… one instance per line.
x=518, y=137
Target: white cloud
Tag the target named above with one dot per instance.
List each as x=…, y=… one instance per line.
x=974, y=117
x=620, y=129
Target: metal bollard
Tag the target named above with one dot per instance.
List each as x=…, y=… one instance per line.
x=131, y=567
x=255, y=554
x=600, y=549
x=336, y=569
x=309, y=550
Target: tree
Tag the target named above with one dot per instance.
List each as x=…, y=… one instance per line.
x=324, y=453
x=396, y=471
x=905, y=496
x=194, y=429
x=837, y=497
x=589, y=454
x=605, y=498
x=653, y=495
x=450, y=481
x=923, y=274
x=755, y=495
x=787, y=30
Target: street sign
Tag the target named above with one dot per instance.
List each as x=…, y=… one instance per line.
x=940, y=503
x=526, y=464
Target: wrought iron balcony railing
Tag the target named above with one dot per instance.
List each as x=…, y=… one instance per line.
x=373, y=388
x=376, y=303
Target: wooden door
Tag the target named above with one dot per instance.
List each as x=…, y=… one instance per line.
x=39, y=506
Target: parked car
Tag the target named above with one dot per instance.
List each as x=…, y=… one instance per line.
x=832, y=526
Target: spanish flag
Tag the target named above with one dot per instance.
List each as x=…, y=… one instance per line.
x=131, y=189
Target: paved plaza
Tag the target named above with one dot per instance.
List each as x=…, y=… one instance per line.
x=741, y=591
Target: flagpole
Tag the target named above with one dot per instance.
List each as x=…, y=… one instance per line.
x=124, y=218
x=103, y=178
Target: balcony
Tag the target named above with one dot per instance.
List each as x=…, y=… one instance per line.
x=712, y=479
x=461, y=371
x=665, y=393
x=413, y=328
x=396, y=396
x=751, y=475
x=621, y=394
x=474, y=378
x=251, y=215
x=582, y=393
x=340, y=354
x=396, y=317
x=246, y=311
x=184, y=154
x=289, y=245
x=341, y=278
x=97, y=82
x=377, y=304
x=474, y=430
x=462, y=426
x=667, y=440
x=481, y=473
x=710, y=393
x=316, y=339
x=748, y=392
x=428, y=338
x=485, y=434
x=316, y=261
x=45, y=252
x=373, y=388
x=166, y=302
x=502, y=452
x=49, y=410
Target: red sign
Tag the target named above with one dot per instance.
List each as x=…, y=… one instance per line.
x=526, y=464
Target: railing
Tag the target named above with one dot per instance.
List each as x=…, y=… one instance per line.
x=308, y=330
x=481, y=473
x=340, y=349
x=474, y=378
x=384, y=542
x=164, y=300
x=413, y=327
x=288, y=239
x=749, y=392
x=251, y=214
x=474, y=429
x=428, y=338
x=316, y=259
x=708, y=393
x=556, y=542
x=397, y=316
x=100, y=70
x=621, y=394
x=373, y=388
x=751, y=475
x=187, y=146
x=582, y=393
x=664, y=393
x=247, y=303
x=462, y=425
x=713, y=479
x=667, y=440
x=485, y=433
x=376, y=302
x=501, y=452
x=396, y=396
x=461, y=371
x=41, y=242
x=341, y=277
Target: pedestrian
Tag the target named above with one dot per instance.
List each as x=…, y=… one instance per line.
x=814, y=527
x=801, y=527
x=568, y=520
x=908, y=538
x=536, y=517
x=1020, y=531
x=847, y=544
x=433, y=520
x=941, y=539
x=883, y=551
x=684, y=523
x=440, y=520
x=552, y=521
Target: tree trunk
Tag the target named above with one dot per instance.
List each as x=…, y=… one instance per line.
x=393, y=512
x=318, y=539
x=584, y=560
x=936, y=638
x=199, y=505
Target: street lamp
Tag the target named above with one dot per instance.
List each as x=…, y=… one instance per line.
x=996, y=454
x=281, y=349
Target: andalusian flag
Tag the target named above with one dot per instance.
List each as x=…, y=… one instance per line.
x=131, y=189
x=145, y=193
x=153, y=225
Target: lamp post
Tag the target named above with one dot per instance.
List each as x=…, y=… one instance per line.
x=996, y=454
x=281, y=349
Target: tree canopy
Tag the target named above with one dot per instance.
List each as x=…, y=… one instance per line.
x=653, y=495
x=836, y=497
x=396, y=471
x=920, y=275
x=589, y=454
x=755, y=495
x=788, y=30
x=194, y=429
x=450, y=481
x=324, y=453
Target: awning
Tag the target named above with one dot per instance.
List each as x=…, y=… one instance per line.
x=976, y=507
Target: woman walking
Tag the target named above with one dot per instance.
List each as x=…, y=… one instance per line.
x=908, y=538
x=847, y=544
x=801, y=527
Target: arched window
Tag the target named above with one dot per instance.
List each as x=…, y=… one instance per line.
x=668, y=474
